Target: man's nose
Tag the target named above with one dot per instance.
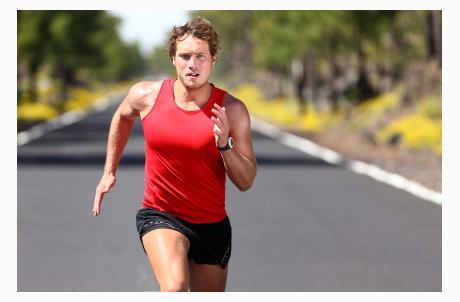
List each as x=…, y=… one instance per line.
x=192, y=62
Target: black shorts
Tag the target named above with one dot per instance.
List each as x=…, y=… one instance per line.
x=210, y=243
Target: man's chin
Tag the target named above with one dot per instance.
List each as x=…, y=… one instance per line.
x=192, y=85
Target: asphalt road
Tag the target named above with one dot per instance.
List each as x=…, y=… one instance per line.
x=304, y=226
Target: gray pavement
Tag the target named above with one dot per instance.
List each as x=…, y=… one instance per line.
x=304, y=226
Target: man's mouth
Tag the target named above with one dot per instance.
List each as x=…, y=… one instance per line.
x=192, y=75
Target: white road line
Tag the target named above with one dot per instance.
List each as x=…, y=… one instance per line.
x=65, y=119
x=335, y=158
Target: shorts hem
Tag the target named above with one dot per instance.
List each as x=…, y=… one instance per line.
x=157, y=227
x=209, y=243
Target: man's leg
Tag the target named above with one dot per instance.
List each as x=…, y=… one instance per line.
x=167, y=252
x=207, y=278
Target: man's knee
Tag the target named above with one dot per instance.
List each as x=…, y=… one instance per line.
x=174, y=286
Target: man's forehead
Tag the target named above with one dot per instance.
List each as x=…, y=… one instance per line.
x=192, y=45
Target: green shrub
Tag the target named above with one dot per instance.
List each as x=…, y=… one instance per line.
x=370, y=111
x=431, y=107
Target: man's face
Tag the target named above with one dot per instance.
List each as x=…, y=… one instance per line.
x=193, y=62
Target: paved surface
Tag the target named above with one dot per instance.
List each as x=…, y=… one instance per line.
x=304, y=226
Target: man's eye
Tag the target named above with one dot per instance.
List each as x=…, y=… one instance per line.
x=185, y=57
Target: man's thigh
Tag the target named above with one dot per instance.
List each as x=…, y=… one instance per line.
x=206, y=277
x=167, y=252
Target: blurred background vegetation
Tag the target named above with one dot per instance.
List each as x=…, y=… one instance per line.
x=376, y=73
x=67, y=60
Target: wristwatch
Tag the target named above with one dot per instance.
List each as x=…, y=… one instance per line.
x=228, y=146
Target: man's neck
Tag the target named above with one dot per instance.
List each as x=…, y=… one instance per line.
x=198, y=96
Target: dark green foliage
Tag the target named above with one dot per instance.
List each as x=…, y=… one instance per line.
x=74, y=41
x=359, y=49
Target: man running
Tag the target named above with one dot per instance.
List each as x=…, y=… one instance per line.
x=195, y=135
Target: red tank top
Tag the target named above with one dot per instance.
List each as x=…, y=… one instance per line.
x=184, y=171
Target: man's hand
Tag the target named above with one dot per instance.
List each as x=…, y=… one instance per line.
x=105, y=184
x=221, y=129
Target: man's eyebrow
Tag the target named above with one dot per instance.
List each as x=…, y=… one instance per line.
x=185, y=52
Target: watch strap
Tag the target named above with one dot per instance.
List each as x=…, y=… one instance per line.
x=227, y=146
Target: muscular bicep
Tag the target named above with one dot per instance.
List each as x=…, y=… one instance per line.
x=126, y=110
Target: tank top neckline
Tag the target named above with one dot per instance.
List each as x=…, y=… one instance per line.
x=204, y=108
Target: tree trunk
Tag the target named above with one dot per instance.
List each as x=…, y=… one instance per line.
x=298, y=77
x=310, y=76
x=335, y=88
x=364, y=86
x=66, y=77
x=32, y=86
x=434, y=39
x=280, y=93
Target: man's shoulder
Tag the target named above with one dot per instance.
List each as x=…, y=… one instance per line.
x=234, y=106
x=142, y=94
x=143, y=88
x=231, y=101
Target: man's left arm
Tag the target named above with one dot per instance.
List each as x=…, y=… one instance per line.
x=233, y=120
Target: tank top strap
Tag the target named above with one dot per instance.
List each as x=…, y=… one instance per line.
x=219, y=96
x=164, y=94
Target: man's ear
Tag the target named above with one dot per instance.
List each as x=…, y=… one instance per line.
x=173, y=61
x=214, y=60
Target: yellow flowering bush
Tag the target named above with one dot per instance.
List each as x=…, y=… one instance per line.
x=251, y=96
x=281, y=111
x=315, y=121
x=30, y=113
x=284, y=111
x=81, y=99
x=417, y=132
x=420, y=130
x=36, y=111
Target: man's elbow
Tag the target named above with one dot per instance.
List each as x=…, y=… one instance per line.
x=245, y=186
x=245, y=183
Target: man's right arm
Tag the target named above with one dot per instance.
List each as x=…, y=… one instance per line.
x=120, y=129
